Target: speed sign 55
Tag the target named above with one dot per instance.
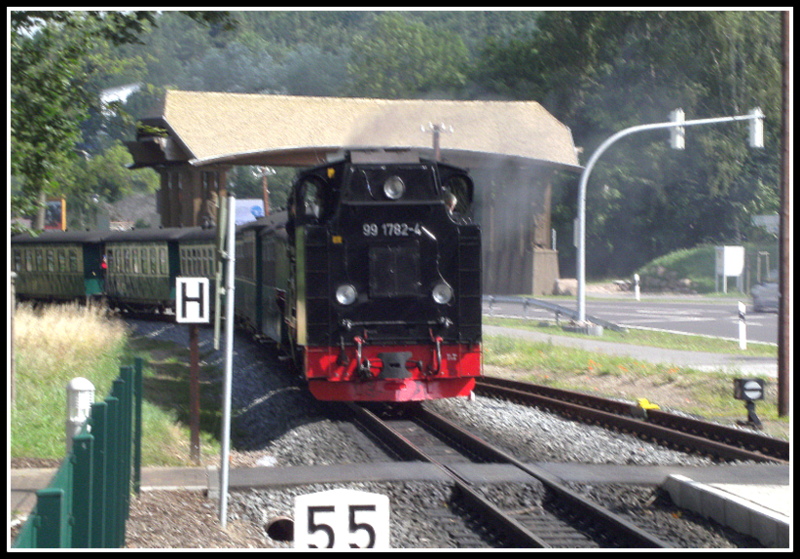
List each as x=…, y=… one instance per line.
x=341, y=519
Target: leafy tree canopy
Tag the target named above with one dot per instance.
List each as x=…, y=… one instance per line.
x=53, y=61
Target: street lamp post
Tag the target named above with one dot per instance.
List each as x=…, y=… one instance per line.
x=756, y=140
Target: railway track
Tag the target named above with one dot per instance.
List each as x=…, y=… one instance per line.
x=560, y=517
x=676, y=431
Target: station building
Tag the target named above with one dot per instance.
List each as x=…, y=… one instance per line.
x=513, y=150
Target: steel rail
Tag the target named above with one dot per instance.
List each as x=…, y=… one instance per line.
x=653, y=424
x=517, y=530
x=521, y=534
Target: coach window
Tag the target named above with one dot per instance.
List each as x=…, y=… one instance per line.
x=162, y=261
x=153, y=261
x=62, y=260
x=73, y=261
x=51, y=260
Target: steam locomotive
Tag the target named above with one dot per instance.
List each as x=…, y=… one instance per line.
x=370, y=280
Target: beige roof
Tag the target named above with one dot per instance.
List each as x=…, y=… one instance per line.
x=292, y=130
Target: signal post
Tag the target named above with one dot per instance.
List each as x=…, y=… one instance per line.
x=193, y=307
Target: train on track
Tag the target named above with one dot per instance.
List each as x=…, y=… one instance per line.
x=370, y=281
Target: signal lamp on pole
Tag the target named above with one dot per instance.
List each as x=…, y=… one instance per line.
x=677, y=134
x=757, y=128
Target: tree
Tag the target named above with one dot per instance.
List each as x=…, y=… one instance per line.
x=308, y=70
x=600, y=72
x=50, y=71
x=402, y=58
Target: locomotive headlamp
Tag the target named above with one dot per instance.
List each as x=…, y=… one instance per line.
x=442, y=293
x=394, y=187
x=346, y=294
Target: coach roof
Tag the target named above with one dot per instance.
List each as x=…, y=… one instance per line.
x=50, y=237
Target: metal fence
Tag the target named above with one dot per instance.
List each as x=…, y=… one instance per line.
x=557, y=310
x=86, y=504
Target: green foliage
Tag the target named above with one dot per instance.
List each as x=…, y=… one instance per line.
x=47, y=101
x=56, y=60
x=400, y=58
x=108, y=175
x=600, y=72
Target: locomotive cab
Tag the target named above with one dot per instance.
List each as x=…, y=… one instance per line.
x=386, y=286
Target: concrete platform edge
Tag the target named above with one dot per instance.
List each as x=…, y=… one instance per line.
x=769, y=527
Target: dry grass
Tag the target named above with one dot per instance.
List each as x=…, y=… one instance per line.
x=60, y=336
x=52, y=345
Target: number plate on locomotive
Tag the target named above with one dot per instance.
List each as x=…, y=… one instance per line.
x=391, y=229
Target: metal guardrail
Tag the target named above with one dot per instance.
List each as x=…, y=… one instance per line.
x=87, y=502
x=557, y=309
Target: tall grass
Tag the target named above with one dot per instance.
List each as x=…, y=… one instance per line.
x=53, y=345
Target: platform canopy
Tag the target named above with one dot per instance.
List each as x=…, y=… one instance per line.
x=204, y=128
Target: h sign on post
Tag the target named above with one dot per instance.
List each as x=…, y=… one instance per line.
x=192, y=301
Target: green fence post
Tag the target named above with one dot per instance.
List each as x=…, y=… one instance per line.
x=99, y=420
x=82, y=486
x=137, y=425
x=52, y=519
x=126, y=373
x=113, y=468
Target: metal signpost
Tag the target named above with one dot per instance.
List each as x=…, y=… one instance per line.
x=230, y=256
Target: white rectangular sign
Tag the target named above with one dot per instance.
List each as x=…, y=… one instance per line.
x=729, y=260
x=341, y=519
x=192, y=300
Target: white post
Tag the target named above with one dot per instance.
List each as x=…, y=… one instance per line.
x=742, y=326
x=80, y=397
x=226, y=396
x=636, y=287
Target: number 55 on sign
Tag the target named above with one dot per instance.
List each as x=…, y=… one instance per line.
x=341, y=519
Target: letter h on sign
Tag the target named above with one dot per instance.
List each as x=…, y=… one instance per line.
x=192, y=300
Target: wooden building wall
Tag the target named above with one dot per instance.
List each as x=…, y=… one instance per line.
x=514, y=213
x=190, y=196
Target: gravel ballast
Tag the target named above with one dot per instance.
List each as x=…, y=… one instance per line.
x=278, y=423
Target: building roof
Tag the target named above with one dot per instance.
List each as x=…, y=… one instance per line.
x=245, y=129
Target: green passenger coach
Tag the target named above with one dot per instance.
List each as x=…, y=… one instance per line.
x=59, y=265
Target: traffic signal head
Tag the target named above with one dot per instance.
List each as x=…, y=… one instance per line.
x=757, y=128
x=677, y=139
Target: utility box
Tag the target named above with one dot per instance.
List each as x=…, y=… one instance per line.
x=729, y=263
